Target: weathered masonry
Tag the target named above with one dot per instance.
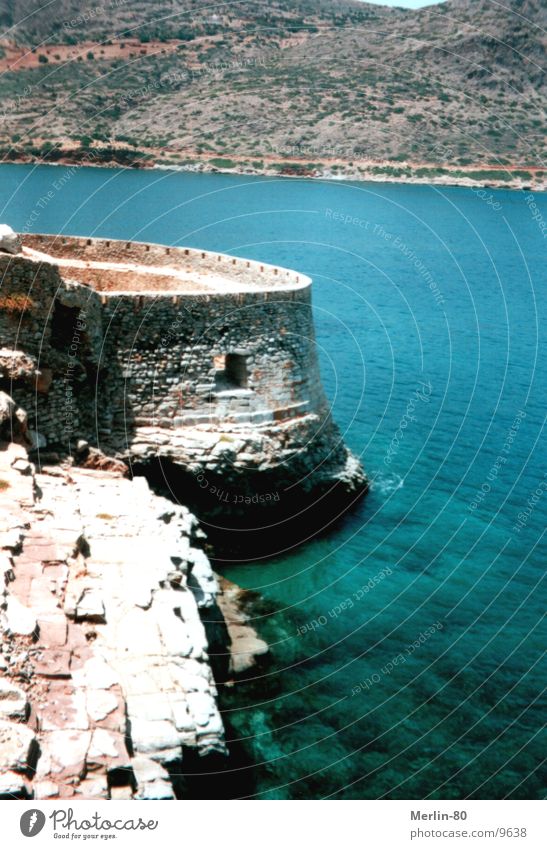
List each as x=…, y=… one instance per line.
x=155, y=353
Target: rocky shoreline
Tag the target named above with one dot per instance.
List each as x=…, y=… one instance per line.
x=293, y=169
x=106, y=687
x=136, y=378
x=347, y=172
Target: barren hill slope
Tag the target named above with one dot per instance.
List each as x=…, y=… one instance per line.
x=458, y=83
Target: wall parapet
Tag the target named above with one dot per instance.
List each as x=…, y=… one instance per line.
x=111, y=265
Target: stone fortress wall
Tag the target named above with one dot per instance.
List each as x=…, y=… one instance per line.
x=174, y=356
x=151, y=352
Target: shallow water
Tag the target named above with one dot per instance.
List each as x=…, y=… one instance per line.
x=407, y=642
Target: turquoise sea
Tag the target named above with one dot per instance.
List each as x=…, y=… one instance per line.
x=407, y=643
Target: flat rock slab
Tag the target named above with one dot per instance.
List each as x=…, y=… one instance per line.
x=100, y=704
x=53, y=664
x=158, y=790
x=95, y=674
x=13, y=701
x=155, y=737
x=65, y=710
x=119, y=650
x=45, y=789
x=64, y=750
x=53, y=632
x=20, y=620
x=90, y=608
x=12, y=786
x=93, y=788
x=146, y=770
x=18, y=747
x=246, y=647
x=107, y=750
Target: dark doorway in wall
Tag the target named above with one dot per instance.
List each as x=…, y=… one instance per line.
x=230, y=372
x=64, y=326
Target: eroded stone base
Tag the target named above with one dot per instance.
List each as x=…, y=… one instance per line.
x=254, y=489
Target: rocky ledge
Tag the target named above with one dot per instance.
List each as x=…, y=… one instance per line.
x=106, y=683
x=253, y=489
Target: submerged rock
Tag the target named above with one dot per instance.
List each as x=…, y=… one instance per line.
x=247, y=649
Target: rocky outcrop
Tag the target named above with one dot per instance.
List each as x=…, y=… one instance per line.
x=105, y=681
x=254, y=489
x=10, y=242
x=15, y=365
x=13, y=421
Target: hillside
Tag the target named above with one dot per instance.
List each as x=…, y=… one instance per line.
x=457, y=84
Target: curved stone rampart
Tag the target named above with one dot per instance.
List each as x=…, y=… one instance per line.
x=155, y=353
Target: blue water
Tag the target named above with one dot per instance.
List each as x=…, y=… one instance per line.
x=431, y=682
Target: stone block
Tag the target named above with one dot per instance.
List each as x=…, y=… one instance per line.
x=65, y=710
x=174, y=635
x=147, y=771
x=121, y=794
x=202, y=707
x=55, y=663
x=93, y=788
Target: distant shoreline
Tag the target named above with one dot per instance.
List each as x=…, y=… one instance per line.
x=366, y=176
x=526, y=178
